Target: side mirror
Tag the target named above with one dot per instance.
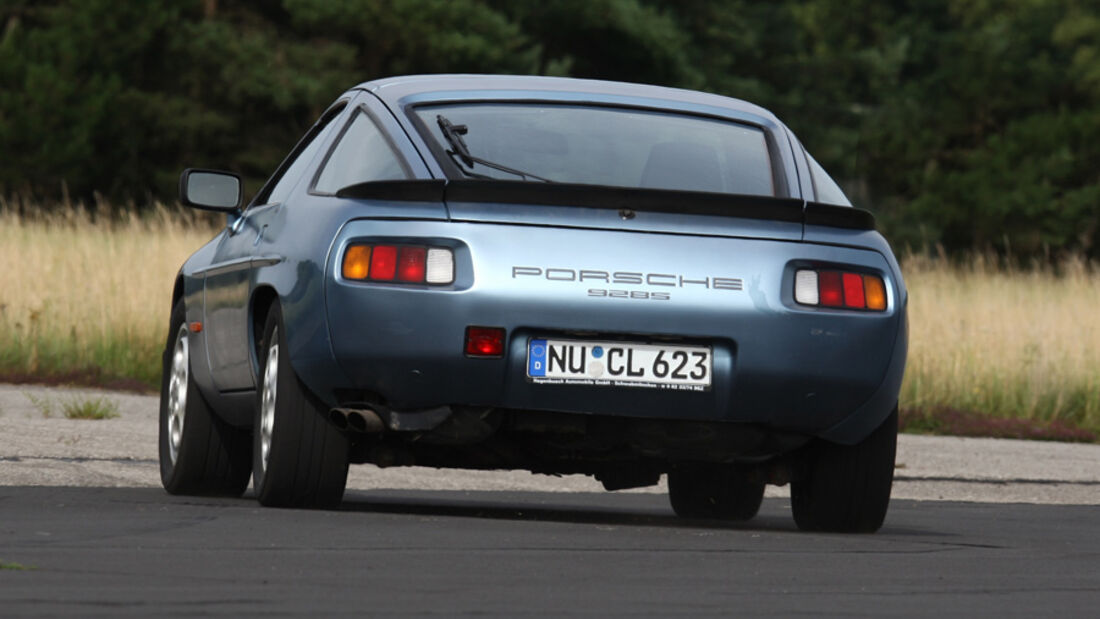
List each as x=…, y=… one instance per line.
x=211, y=190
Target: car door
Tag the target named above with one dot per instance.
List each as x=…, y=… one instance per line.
x=228, y=283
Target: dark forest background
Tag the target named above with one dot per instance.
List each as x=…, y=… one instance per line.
x=974, y=125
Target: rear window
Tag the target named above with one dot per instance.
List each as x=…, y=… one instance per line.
x=828, y=192
x=362, y=155
x=607, y=146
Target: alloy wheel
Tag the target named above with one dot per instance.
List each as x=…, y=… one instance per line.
x=177, y=392
x=267, y=404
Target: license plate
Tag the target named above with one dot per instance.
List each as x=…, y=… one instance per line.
x=619, y=364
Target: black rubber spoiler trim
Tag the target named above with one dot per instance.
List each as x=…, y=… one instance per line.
x=400, y=191
x=625, y=198
x=849, y=217
x=619, y=198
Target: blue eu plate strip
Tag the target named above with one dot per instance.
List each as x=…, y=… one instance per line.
x=536, y=358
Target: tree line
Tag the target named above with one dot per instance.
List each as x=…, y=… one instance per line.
x=975, y=125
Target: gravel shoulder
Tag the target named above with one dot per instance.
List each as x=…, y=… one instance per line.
x=37, y=449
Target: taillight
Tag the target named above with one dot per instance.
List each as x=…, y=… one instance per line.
x=406, y=264
x=875, y=292
x=357, y=262
x=383, y=263
x=441, y=266
x=413, y=264
x=853, y=291
x=841, y=289
x=485, y=341
x=829, y=289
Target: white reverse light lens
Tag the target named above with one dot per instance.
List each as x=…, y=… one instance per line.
x=805, y=287
x=441, y=266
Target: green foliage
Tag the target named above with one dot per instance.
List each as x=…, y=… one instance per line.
x=969, y=124
x=91, y=408
x=393, y=37
x=15, y=567
x=623, y=40
x=44, y=405
x=990, y=141
x=94, y=408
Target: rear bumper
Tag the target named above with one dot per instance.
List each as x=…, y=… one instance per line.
x=804, y=370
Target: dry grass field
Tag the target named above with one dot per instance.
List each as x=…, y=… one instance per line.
x=1007, y=342
x=90, y=299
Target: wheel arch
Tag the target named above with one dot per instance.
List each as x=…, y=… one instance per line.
x=263, y=299
x=177, y=289
x=298, y=286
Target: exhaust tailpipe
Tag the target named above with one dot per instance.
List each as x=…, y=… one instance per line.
x=338, y=418
x=363, y=420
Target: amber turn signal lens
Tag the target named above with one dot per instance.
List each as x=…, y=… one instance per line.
x=875, y=292
x=357, y=262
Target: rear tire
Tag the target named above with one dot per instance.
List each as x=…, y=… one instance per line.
x=720, y=492
x=846, y=489
x=299, y=458
x=200, y=454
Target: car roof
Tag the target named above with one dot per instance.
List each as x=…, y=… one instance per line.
x=398, y=91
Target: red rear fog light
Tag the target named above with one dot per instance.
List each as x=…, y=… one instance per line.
x=484, y=342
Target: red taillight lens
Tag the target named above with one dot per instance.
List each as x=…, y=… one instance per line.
x=484, y=341
x=411, y=265
x=829, y=289
x=840, y=289
x=383, y=263
x=853, y=290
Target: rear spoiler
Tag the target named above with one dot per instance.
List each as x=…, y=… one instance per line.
x=626, y=199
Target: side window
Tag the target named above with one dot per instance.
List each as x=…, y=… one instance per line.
x=828, y=192
x=362, y=155
x=290, y=172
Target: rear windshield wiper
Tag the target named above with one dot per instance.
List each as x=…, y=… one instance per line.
x=460, y=153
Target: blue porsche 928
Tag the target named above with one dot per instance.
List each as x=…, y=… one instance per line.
x=558, y=275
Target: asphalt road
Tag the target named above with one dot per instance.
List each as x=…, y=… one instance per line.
x=1006, y=528
x=40, y=447
x=138, y=551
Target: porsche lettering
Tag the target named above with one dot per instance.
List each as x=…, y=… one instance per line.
x=627, y=278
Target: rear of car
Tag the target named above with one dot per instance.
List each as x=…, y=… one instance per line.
x=569, y=276
x=627, y=291
x=740, y=345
